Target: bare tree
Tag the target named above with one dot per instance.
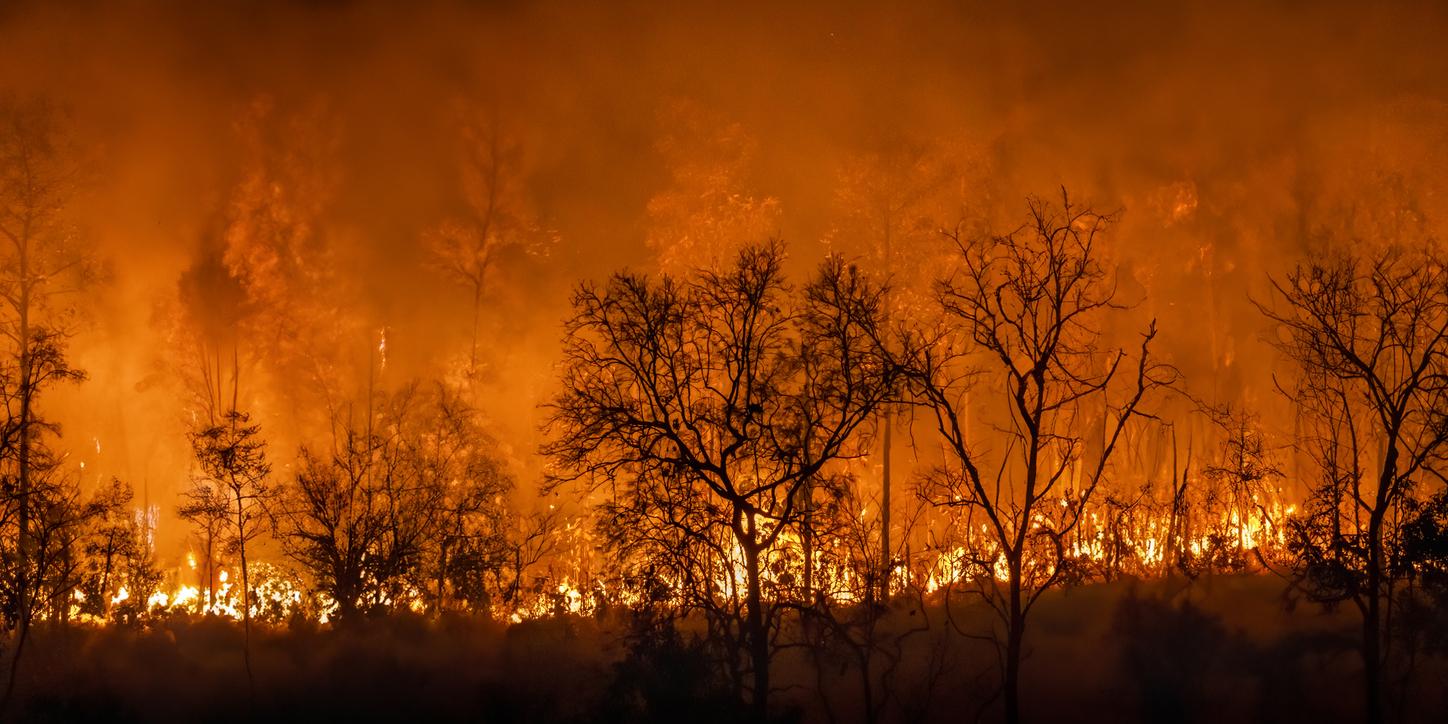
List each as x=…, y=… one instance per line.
x=700, y=407
x=529, y=539
x=844, y=627
x=1025, y=310
x=1369, y=334
x=408, y=506
x=117, y=555
x=113, y=540
x=61, y=519
x=351, y=519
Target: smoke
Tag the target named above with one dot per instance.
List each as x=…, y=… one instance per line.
x=1232, y=136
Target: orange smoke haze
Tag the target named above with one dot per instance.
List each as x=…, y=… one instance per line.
x=1232, y=136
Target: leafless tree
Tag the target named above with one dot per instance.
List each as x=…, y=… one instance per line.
x=1244, y=484
x=700, y=407
x=113, y=540
x=466, y=547
x=1368, y=332
x=846, y=629
x=1025, y=311
x=355, y=516
x=891, y=205
x=409, y=505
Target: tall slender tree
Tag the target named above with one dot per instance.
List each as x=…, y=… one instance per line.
x=42, y=263
x=891, y=204
x=232, y=455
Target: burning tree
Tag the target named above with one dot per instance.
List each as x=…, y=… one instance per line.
x=406, y=507
x=700, y=408
x=117, y=552
x=1244, y=489
x=260, y=320
x=1369, y=334
x=844, y=622
x=1026, y=308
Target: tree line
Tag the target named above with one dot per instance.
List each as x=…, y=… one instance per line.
x=719, y=421
x=715, y=415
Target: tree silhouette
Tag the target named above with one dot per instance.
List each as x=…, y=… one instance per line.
x=1368, y=332
x=1243, y=485
x=206, y=507
x=467, y=549
x=1024, y=311
x=233, y=456
x=355, y=517
x=41, y=261
x=890, y=206
x=700, y=407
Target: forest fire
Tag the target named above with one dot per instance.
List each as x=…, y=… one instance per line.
x=825, y=363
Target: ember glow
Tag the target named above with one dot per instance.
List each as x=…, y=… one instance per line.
x=642, y=362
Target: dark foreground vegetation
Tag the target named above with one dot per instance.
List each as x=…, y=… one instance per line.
x=1221, y=649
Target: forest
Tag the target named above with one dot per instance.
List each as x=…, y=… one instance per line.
x=543, y=362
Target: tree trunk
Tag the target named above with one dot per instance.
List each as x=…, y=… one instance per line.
x=441, y=575
x=1015, y=630
x=23, y=543
x=210, y=571
x=806, y=540
x=1372, y=628
x=245, y=594
x=477, y=314
x=1372, y=675
x=1372, y=613
x=757, y=632
x=885, y=553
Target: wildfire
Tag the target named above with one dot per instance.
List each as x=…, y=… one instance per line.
x=1106, y=543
